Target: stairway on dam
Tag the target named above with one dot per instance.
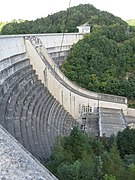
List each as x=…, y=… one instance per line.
x=111, y=121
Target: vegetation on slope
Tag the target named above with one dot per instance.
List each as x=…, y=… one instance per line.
x=56, y=22
x=104, y=61
x=84, y=157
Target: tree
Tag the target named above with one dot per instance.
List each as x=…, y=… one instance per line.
x=126, y=141
x=130, y=172
x=77, y=143
x=112, y=163
x=69, y=171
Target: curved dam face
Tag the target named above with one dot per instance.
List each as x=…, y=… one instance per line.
x=37, y=102
x=71, y=96
x=28, y=111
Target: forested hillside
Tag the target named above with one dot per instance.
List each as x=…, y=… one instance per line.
x=63, y=21
x=104, y=61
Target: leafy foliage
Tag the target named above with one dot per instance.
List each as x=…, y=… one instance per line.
x=74, y=157
x=104, y=61
x=112, y=163
x=126, y=142
x=81, y=156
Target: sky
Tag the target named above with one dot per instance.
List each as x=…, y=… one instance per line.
x=33, y=9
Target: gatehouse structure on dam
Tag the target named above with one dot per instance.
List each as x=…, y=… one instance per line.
x=37, y=101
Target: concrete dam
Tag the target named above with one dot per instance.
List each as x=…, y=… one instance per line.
x=37, y=102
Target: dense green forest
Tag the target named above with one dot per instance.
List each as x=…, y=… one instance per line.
x=84, y=157
x=104, y=61
x=63, y=21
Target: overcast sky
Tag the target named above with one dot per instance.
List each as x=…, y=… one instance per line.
x=33, y=9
